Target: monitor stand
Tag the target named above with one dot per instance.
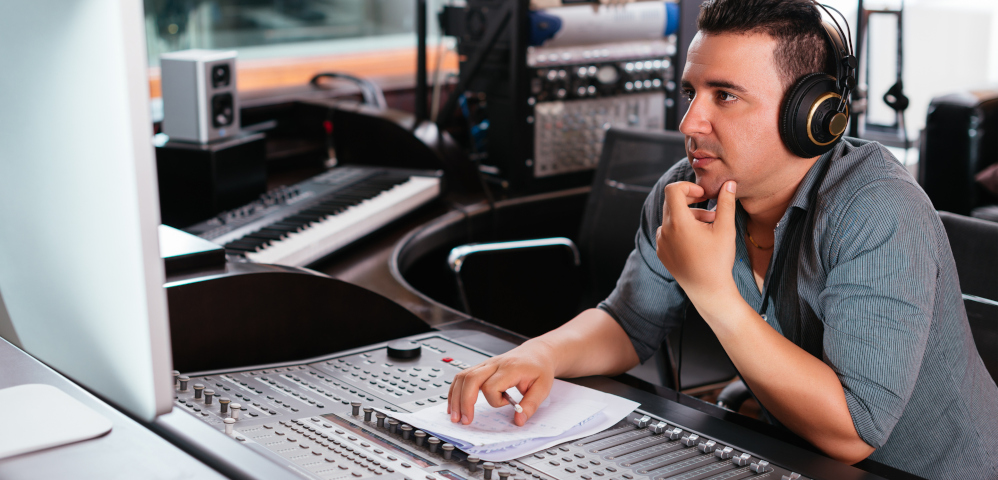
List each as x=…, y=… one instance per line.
x=37, y=416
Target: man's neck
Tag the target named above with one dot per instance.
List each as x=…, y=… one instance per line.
x=765, y=211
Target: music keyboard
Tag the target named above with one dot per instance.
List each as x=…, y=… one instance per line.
x=300, y=224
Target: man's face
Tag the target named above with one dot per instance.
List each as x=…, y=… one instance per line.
x=731, y=126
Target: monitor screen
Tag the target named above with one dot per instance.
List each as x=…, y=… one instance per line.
x=81, y=280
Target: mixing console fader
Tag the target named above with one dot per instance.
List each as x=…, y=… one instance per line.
x=330, y=418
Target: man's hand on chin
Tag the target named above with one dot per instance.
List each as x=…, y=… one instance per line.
x=698, y=246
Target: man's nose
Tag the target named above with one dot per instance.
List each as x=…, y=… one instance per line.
x=696, y=121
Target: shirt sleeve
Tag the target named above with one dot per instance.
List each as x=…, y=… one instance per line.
x=878, y=301
x=647, y=301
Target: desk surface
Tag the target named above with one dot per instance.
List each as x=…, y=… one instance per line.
x=130, y=450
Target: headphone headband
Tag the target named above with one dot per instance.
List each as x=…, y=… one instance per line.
x=845, y=60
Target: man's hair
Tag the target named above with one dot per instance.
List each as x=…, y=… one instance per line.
x=801, y=43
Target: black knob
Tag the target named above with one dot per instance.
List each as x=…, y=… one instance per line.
x=367, y=413
x=420, y=437
x=488, y=467
x=404, y=349
x=208, y=395
x=434, y=444
x=381, y=419
x=183, y=382
x=355, y=408
x=223, y=404
x=503, y=474
x=176, y=375
x=406, y=432
x=473, y=463
x=198, y=388
x=393, y=425
x=448, y=450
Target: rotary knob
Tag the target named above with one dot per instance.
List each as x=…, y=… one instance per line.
x=402, y=349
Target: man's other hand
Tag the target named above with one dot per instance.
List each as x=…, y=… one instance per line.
x=698, y=246
x=530, y=368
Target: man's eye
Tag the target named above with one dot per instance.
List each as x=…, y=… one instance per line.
x=725, y=96
x=689, y=94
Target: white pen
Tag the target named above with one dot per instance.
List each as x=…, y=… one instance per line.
x=516, y=406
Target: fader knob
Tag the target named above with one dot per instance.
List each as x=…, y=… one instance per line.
x=503, y=474
x=473, y=463
x=448, y=450
x=393, y=425
x=223, y=405
x=420, y=437
x=198, y=388
x=488, y=467
x=381, y=419
x=367, y=413
x=406, y=432
x=235, y=407
x=183, y=382
x=229, y=422
x=176, y=375
x=434, y=444
x=355, y=408
x=208, y=395
x=404, y=349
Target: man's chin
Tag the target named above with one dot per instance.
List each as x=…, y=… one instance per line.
x=711, y=188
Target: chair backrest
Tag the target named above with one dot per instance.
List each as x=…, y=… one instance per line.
x=975, y=250
x=631, y=162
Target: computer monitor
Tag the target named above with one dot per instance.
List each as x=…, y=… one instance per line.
x=81, y=279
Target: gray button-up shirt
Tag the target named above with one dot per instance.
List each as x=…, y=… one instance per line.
x=862, y=277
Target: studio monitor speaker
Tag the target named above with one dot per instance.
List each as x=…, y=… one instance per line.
x=200, y=103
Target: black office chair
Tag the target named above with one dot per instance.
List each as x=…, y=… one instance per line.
x=975, y=249
x=630, y=164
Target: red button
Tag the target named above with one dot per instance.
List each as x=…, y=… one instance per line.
x=448, y=359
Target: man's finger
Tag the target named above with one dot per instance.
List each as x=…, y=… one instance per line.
x=705, y=216
x=725, y=211
x=494, y=386
x=454, y=399
x=472, y=384
x=533, y=395
x=678, y=197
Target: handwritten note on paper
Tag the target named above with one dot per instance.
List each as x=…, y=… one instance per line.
x=495, y=425
x=569, y=412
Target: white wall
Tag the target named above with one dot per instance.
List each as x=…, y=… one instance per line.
x=949, y=45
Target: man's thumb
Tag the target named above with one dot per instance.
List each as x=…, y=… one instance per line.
x=725, y=215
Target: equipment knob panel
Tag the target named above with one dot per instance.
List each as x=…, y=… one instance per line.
x=404, y=350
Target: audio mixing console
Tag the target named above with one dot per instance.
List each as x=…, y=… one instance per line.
x=323, y=419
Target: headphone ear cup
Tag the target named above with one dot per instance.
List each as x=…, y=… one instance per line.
x=796, y=110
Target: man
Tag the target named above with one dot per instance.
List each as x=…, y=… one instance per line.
x=828, y=280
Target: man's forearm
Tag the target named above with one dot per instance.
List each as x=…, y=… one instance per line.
x=592, y=343
x=800, y=390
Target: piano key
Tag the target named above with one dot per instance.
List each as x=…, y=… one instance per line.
x=264, y=233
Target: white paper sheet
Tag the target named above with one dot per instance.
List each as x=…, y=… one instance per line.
x=569, y=412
